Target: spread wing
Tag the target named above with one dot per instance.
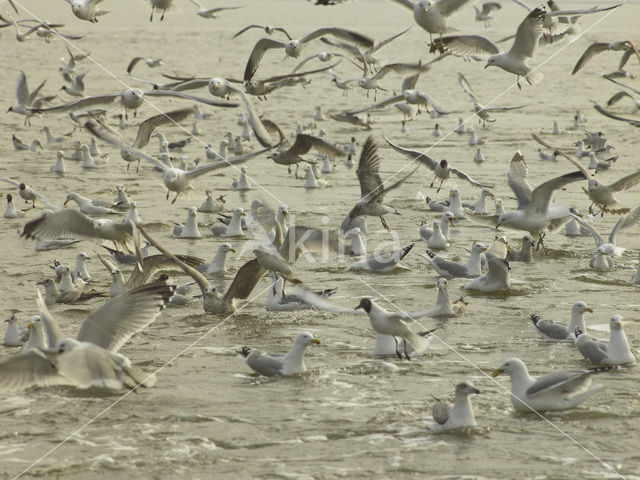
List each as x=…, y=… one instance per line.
x=465, y=45
x=257, y=53
x=448, y=7
x=631, y=121
x=147, y=127
x=626, y=182
x=517, y=180
x=588, y=54
x=343, y=33
x=67, y=223
x=369, y=169
x=528, y=33
x=245, y=280
x=422, y=157
x=28, y=369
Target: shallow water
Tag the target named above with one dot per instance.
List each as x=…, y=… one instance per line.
x=351, y=416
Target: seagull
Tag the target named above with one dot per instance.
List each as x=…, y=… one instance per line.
x=536, y=210
x=175, y=179
x=293, y=48
x=190, y=228
x=211, y=12
x=484, y=15
x=497, y=278
x=515, y=60
x=13, y=337
x=271, y=365
x=481, y=111
x=441, y=232
x=525, y=252
x=614, y=352
x=29, y=195
x=480, y=207
x=217, y=263
x=11, y=211
x=460, y=415
x=370, y=81
x=631, y=121
x=87, y=9
x=91, y=359
x=72, y=223
x=302, y=145
x=267, y=29
x=88, y=206
x=344, y=85
x=26, y=98
x=19, y=145
x=609, y=246
x=372, y=188
x=471, y=268
x=149, y=62
x=602, y=194
x=432, y=16
x=381, y=262
x=626, y=46
x=557, y=390
x=442, y=169
x=323, y=57
x=552, y=330
x=622, y=94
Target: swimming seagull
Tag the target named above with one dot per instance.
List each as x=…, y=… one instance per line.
x=442, y=169
x=211, y=12
x=13, y=337
x=460, y=415
x=432, y=16
x=557, y=390
x=447, y=268
x=614, y=352
x=515, y=60
x=372, y=188
x=190, y=228
x=293, y=48
x=381, y=261
x=552, y=330
x=525, y=252
x=497, y=278
x=267, y=29
x=481, y=111
x=217, y=263
x=271, y=365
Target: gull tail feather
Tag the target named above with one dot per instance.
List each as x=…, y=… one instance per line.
x=417, y=342
x=534, y=78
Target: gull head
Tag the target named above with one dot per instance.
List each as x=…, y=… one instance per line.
x=493, y=61
x=444, y=163
x=66, y=345
x=616, y=322
x=306, y=338
x=423, y=5
x=510, y=367
x=581, y=307
x=465, y=388
x=293, y=48
x=593, y=183
x=217, y=87
x=442, y=283
x=192, y=211
x=479, y=247
x=227, y=247
x=83, y=256
x=365, y=304
x=449, y=216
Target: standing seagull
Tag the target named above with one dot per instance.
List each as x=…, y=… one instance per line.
x=372, y=188
x=442, y=169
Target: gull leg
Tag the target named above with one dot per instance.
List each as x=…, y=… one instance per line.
x=175, y=198
x=440, y=187
x=138, y=166
x=518, y=82
x=163, y=12
x=540, y=241
x=151, y=17
x=397, y=352
x=384, y=224
x=405, y=351
x=167, y=197
x=433, y=181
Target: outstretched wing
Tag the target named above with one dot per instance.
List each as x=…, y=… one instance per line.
x=528, y=33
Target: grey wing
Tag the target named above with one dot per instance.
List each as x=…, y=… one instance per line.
x=28, y=369
x=313, y=239
x=150, y=124
x=440, y=412
x=257, y=53
x=551, y=329
x=319, y=302
x=369, y=169
x=248, y=27
x=626, y=182
x=254, y=120
x=616, y=98
x=409, y=83
x=80, y=103
x=51, y=327
x=383, y=43
x=543, y=194
x=400, y=68
x=528, y=33
x=596, y=236
x=422, y=157
x=245, y=280
x=467, y=45
x=280, y=29
x=448, y=7
x=157, y=263
x=489, y=7
x=12, y=182
x=32, y=96
x=466, y=177
x=566, y=380
x=67, y=223
x=299, y=65
x=468, y=90
x=588, y=54
x=613, y=80
x=266, y=365
x=134, y=61
x=630, y=121
x=207, y=101
x=380, y=104
x=430, y=101
x=517, y=180
x=116, y=321
x=90, y=366
x=345, y=46
x=343, y=33
x=626, y=221
x=325, y=147
x=448, y=268
x=592, y=350
x=503, y=109
x=405, y=3
x=22, y=89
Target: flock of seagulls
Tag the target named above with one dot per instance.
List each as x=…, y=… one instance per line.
x=270, y=239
